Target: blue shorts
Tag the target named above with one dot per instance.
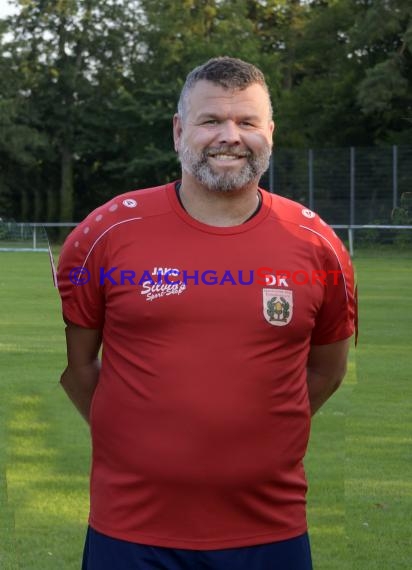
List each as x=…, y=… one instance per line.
x=104, y=553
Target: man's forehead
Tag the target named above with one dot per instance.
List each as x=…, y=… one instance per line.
x=207, y=95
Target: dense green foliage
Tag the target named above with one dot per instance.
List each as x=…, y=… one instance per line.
x=88, y=87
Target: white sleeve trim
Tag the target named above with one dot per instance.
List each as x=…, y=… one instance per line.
x=104, y=233
x=336, y=255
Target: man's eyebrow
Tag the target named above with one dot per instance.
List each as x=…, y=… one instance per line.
x=208, y=116
x=251, y=118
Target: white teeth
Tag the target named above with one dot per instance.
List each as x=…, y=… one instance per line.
x=226, y=156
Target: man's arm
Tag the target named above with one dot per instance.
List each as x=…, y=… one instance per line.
x=80, y=378
x=325, y=371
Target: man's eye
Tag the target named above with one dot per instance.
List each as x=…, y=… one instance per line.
x=246, y=124
x=210, y=122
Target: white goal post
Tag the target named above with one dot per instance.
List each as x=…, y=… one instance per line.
x=352, y=227
x=22, y=236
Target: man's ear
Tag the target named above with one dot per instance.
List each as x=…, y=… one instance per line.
x=272, y=127
x=177, y=130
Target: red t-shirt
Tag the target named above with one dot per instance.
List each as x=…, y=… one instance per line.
x=200, y=419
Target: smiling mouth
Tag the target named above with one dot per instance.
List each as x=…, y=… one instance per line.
x=227, y=157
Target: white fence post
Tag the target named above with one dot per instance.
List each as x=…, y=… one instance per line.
x=395, y=175
x=311, y=188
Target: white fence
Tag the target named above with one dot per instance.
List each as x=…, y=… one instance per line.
x=16, y=236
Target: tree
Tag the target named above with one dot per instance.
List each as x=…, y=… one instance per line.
x=70, y=55
x=382, y=42
x=88, y=88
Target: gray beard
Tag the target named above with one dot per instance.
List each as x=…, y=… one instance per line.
x=198, y=166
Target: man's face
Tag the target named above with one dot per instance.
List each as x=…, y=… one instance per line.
x=225, y=139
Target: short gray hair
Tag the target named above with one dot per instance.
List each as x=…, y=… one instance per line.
x=228, y=72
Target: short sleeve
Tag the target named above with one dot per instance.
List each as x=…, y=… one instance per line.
x=78, y=276
x=337, y=317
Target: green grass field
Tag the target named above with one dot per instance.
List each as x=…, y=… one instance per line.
x=359, y=463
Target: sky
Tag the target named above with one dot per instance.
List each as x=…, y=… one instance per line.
x=6, y=9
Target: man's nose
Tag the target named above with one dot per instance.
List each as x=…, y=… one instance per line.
x=229, y=133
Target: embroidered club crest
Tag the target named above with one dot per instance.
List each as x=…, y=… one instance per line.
x=278, y=306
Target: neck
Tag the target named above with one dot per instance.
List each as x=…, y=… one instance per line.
x=220, y=209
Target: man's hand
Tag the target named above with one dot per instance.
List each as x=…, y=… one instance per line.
x=81, y=376
x=326, y=369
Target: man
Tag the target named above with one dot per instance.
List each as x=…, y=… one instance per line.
x=224, y=314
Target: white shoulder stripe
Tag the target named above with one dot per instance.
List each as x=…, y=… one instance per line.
x=104, y=233
x=333, y=249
